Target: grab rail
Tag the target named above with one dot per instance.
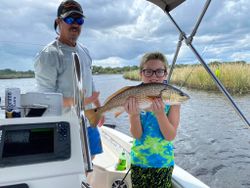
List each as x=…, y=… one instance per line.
x=79, y=104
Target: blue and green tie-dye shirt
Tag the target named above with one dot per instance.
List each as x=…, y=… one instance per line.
x=152, y=149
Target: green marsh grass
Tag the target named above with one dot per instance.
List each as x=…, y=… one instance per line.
x=234, y=76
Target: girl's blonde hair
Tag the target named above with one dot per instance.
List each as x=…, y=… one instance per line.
x=152, y=56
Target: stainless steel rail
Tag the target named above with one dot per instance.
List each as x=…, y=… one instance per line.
x=79, y=104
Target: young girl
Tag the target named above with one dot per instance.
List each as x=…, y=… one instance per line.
x=152, y=156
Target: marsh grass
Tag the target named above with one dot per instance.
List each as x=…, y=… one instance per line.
x=234, y=76
x=132, y=75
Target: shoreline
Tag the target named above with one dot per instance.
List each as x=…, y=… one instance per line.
x=19, y=77
x=235, y=76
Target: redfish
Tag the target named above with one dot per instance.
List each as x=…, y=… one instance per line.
x=144, y=93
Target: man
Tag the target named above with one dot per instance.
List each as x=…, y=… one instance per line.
x=53, y=65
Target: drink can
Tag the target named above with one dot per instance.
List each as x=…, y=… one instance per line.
x=12, y=102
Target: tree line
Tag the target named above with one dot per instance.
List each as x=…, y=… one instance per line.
x=8, y=73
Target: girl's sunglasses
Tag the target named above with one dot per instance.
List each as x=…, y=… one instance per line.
x=71, y=20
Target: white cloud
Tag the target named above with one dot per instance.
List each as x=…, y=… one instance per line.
x=118, y=32
x=110, y=62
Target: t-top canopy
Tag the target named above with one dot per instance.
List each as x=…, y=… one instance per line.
x=167, y=5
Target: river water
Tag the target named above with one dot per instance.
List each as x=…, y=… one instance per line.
x=212, y=143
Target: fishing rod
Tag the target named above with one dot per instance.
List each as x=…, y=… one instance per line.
x=185, y=81
x=188, y=41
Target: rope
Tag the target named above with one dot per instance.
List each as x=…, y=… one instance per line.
x=121, y=182
x=203, y=52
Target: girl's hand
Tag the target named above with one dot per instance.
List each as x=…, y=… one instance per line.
x=132, y=107
x=158, y=106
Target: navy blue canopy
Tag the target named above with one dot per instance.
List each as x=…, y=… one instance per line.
x=167, y=5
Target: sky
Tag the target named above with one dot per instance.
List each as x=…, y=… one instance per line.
x=118, y=32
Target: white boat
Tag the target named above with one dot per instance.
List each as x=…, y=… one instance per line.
x=41, y=164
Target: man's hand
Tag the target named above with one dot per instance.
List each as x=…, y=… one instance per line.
x=93, y=98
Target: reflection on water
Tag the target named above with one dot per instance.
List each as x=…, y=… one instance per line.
x=212, y=143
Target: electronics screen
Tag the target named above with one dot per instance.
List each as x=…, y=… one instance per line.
x=34, y=143
x=28, y=142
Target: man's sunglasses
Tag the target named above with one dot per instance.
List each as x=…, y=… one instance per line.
x=71, y=20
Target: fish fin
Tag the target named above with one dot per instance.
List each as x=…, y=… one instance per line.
x=93, y=115
x=118, y=113
x=116, y=93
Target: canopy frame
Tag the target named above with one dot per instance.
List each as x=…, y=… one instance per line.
x=167, y=6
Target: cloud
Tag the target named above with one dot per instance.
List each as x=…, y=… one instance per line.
x=119, y=33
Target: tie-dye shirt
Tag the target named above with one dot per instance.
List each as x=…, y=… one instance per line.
x=152, y=149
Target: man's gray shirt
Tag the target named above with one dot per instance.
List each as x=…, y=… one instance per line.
x=54, y=69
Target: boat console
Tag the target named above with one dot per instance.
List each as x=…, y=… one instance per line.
x=44, y=150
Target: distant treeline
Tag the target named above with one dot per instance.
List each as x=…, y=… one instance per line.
x=113, y=70
x=12, y=74
x=9, y=74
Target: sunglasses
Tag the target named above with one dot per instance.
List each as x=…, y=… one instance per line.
x=71, y=20
x=158, y=72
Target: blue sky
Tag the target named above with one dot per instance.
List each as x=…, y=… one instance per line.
x=119, y=32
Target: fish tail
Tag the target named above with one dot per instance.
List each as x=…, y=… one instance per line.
x=93, y=115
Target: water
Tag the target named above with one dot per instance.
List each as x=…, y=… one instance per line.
x=212, y=143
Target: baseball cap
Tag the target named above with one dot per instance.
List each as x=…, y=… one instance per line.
x=68, y=7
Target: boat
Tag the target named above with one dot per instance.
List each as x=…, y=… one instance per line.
x=62, y=166
x=55, y=157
